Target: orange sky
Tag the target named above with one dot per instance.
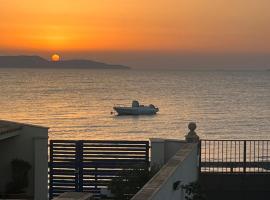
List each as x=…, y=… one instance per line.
x=86, y=25
x=135, y=25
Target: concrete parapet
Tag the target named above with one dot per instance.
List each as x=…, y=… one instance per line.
x=75, y=196
x=180, y=169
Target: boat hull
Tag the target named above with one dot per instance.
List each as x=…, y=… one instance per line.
x=135, y=110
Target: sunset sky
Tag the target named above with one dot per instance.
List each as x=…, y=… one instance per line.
x=126, y=30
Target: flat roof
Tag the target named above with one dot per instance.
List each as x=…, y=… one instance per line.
x=9, y=126
x=6, y=126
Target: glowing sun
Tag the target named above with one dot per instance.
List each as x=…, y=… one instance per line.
x=55, y=58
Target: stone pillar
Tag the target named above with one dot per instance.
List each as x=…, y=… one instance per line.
x=192, y=136
x=157, y=151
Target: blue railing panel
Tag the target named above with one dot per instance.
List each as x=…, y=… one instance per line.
x=89, y=165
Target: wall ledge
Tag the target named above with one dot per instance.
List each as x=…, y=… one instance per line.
x=153, y=186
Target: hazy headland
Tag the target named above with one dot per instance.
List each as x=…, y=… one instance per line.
x=39, y=62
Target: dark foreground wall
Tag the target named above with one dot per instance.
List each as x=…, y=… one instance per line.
x=219, y=186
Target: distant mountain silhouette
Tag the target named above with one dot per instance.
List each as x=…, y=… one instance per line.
x=39, y=62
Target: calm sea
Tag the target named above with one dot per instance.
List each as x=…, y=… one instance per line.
x=77, y=104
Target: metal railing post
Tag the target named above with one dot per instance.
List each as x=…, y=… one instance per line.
x=51, y=171
x=79, y=167
x=199, y=154
x=245, y=156
x=147, y=156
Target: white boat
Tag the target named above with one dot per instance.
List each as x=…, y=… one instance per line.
x=136, y=109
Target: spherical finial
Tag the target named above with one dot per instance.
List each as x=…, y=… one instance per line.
x=192, y=135
x=192, y=126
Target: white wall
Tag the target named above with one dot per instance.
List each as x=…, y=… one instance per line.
x=163, y=149
x=7, y=154
x=183, y=167
x=186, y=172
x=23, y=147
x=41, y=169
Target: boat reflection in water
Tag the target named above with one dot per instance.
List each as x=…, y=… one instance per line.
x=136, y=109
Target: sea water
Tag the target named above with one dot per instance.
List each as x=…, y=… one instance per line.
x=77, y=103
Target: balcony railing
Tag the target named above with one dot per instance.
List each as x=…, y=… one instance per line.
x=235, y=156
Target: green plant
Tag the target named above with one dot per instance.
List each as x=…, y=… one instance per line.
x=19, y=169
x=193, y=191
x=129, y=181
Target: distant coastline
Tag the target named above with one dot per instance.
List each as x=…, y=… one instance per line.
x=39, y=62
